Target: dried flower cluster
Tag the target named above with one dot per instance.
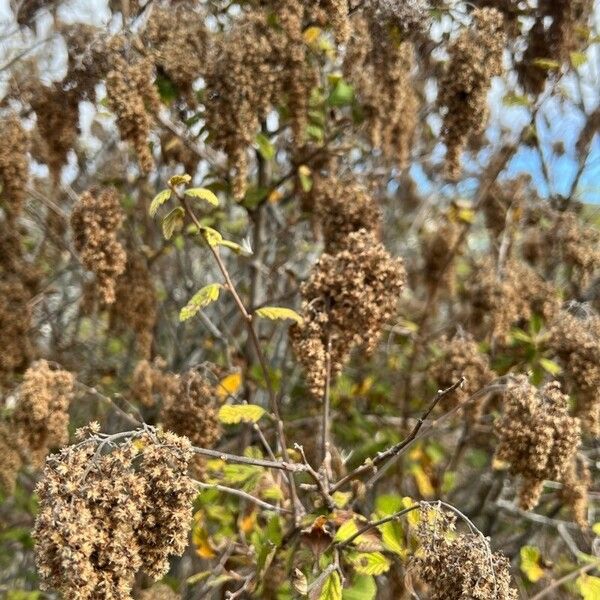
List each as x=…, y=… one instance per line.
x=245, y=81
x=459, y=566
x=408, y=17
x=160, y=591
x=347, y=299
x=103, y=517
x=475, y=57
x=499, y=199
x=537, y=436
x=14, y=166
x=39, y=421
x=380, y=68
x=135, y=305
x=460, y=357
x=178, y=41
x=505, y=299
x=133, y=98
x=575, y=341
x=343, y=206
x=96, y=220
x=334, y=13
x=438, y=246
x=192, y=411
x=150, y=382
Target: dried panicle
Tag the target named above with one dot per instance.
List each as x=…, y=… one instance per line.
x=14, y=166
x=512, y=296
x=576, y=482
x=347, y=299
x=408, y=17
x=160, y=591
x=460, y=357
x=135, y=305
x=475, y=57
x=458, y=566
x=150, y=382
x=41, y=414
x=380, y=68
x=499, y=199
x=11, y=459
x=575, y=341
x=15, y=325
x=437, y=247
x=178, y=41
x=193, y=411
x=245, y=81
x=133, y=98
x=554, y=35
x=103, y=517
x=343, y=206
x=575, y=244
x=537, y=436
x=96, y=220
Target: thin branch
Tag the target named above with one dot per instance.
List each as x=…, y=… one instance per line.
x=371, y=464
x=556, y=584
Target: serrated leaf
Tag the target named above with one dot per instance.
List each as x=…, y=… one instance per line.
x=332, y=588
x=172, y=222
x=229, y=385
x=392, y=536
x=202, y=194
x=550, y=366
x=530, y=563
x=279, y=312
x=589, y=587
x=179, y=179
x=203, y=297
x=231, y=414
x=370, y=563
x=212, y=236
x=158, y=201
x=363, y=588
x=265, y=147
x=346, y=530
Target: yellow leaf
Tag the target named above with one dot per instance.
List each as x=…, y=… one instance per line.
x=423, y=482
x=231, y=414
x=212, y=236
x=203, y=194
x=530, y=563
x=311, y=35
x=229, y=385
x=158, y=201
x=332, y=588
x=248, y=522
x=589, y=587
x=279, y=312
x=370, y=563
x=346, y=530
x=203, y=297
x=180, y=179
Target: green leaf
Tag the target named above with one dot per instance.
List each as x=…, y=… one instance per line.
x=203, y=297
x=306, y=181
x=203, y=194
x=279, y=312
x=212, y=236
x=180, y=179
x=230, y=414
x=530, y=563
x=265, y=147
x=392, y=536
x=158, y=201
x=173, y=221
x=233, y=246
x=550, y=366
x=341, y=95
x=332, y=588
x=589, y=587
x=370, y=563
x=363, y=588
x=596, y=528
